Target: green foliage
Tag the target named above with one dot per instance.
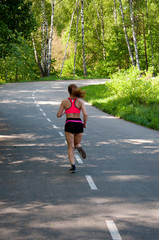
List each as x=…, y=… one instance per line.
x=16, y=18
x=20, y=64
x=129, y=95
x=104, y=33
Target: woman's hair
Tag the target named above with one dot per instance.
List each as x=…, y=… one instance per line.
x=75, y=91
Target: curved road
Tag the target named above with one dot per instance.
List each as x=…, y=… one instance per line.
x=113, y=195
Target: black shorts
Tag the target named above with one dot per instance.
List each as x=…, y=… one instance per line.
x=74, y=125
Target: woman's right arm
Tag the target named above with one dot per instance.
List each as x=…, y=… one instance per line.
x=61, y=110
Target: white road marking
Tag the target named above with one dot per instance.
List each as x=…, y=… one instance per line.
x=65, y=142
x=54, y=126
x=41, y=109
x=113, y=230
x=44, y=114
x=61, y=134
x=91, y=182
x=79, y=160
x=48, y=119
x=37, y=105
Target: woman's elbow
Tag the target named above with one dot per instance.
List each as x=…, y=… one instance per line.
x=85, y=115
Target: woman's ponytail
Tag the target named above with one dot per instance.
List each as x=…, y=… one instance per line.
x=75, y=91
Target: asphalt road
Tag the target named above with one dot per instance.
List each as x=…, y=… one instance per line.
x=113, y=195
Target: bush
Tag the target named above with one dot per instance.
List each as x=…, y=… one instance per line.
x=20, y=64
x=129, y=95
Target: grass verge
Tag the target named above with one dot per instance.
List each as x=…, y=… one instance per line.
x=133, y=99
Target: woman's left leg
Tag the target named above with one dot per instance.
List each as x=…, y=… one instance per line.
x=70, y=142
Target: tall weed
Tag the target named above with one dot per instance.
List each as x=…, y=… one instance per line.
x=136, y=87
x=129, y=95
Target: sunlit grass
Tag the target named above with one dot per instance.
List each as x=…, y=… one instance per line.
x=135, y=100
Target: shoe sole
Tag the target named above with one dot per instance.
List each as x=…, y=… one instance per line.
x=72, y=171
x=81, y=152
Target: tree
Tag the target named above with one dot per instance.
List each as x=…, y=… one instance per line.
x=13, y=23
x=126, y=35
x=134, y=34
x=19, y=64
x=46, y=40
x=83, y=44
x=151, y=41
x=68, y=38
x=75, y=51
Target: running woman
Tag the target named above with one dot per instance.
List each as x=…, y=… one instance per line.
x=74, y=125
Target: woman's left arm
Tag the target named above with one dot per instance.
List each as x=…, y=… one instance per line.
x=61, y=110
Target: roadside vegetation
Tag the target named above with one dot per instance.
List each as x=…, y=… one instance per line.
x=128, y=95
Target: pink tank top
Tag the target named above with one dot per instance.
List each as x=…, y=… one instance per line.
x=73, y=108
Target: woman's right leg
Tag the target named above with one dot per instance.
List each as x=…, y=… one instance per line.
x=77, y=144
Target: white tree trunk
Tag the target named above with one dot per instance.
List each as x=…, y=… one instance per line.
x=103, y=32
x=44, y=31
x=51, y=37
x=36, y=57
x=83, y=45
x=46, y=43
x=76, y=42
x=134, y=34
x=116, y=31
x=152, y=51
x=126, y=36
x=68, y=39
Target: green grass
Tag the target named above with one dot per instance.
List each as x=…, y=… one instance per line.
x=135, y=100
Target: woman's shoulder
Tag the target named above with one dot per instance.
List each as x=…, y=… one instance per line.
x=80, y=100
x=66, y=103
x=65, y=100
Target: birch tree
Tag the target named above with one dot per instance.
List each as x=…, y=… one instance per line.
x=116, y=30
x=134, y=34
x=76, y=41
x=151, y=41
x=68, y=39
x=101, y=19
x=37, y=57
x=46, y=41
x=126, y=35
x=83, y=44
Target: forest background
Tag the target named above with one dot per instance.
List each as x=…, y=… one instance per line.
x=63, y=38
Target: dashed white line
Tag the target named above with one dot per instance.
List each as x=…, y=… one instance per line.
x=37, y=105
x=61, y=134
x=41, y=109
x=54, y=126
x=91, y=182
x=48, y=119
x=113, y=230
x=44, y=114
x=79, y=160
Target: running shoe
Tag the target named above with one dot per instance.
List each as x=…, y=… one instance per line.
x=72, y=170
x=81, y=152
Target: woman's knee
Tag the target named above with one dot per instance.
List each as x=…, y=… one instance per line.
x=71, y=146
